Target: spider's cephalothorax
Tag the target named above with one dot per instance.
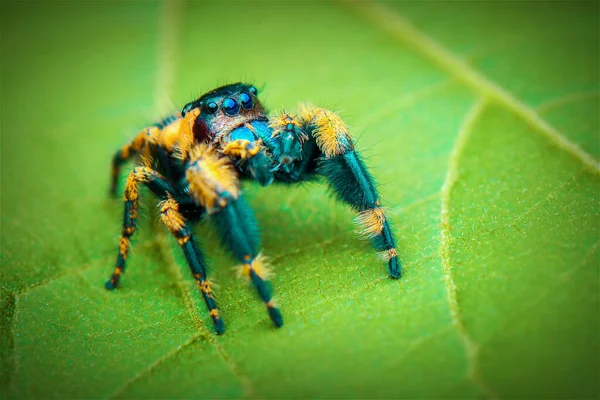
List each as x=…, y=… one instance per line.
x=193, y=162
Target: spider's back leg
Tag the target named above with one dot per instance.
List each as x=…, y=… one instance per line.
x=160, y=186
x=180, y=229
x=350, y=179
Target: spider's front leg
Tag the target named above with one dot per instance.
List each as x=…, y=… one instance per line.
x=175, y=223
x=349, y=177
x=213, y=182
x=245, y=147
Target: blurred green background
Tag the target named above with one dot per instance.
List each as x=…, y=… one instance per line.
x=478, y=119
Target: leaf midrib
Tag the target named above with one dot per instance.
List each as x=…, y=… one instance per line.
x=399, y=27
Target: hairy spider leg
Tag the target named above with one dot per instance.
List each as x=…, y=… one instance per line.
x=155, y=182
x=239, y=231
x=293, y=149
x=176, y=224
x=128, y=151
x=214, y=184
x=350, y=179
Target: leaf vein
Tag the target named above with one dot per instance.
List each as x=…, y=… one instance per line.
x=175, y=272
x=12, y=357
x=399, y=209
x=406, y=100
x=472, y=348
x=400, y=28
x=77, y=270
x=513, y=223
x=560, y=282
x=566, y=100
x=154, y=365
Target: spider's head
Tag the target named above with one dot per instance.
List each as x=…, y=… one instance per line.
x=224, y=109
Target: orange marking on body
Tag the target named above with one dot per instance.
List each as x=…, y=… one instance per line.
x=244, y=270
x=222, y=202
x=171, y=217
x=170, y=135
x=210, y=176
x=271, y=304
x=212, y=283
x=124, y=246
x=186, y=134
x=242, y=148
x=259, y=265
x=125, y=152
x=330, y=131
x=372, y=221
x=144, y=174
x=205, y=287
x=139, y=141
x=139, y=174
x=280, y=122
x=146, y=158
x=386, y=255
x=152, y=133
x=214, y=313
x=131, y=190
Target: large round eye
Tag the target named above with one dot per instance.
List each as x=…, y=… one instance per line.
x=212, y=107
x=231, y=107
x=253, y=90
x=246, y=101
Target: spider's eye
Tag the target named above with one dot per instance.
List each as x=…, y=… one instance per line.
x=253, y=90
x=231, y=107
x=212, y=107
x=246, y=101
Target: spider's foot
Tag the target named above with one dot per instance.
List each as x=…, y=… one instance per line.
x=395, y=267
x=219, y=326
x=110, y=285
x=394, y=263
x=275, y=315
x=114, y=280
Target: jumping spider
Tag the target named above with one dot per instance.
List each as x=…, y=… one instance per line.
x=194, y=162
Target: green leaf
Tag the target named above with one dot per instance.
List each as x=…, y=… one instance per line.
x=478, y=119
